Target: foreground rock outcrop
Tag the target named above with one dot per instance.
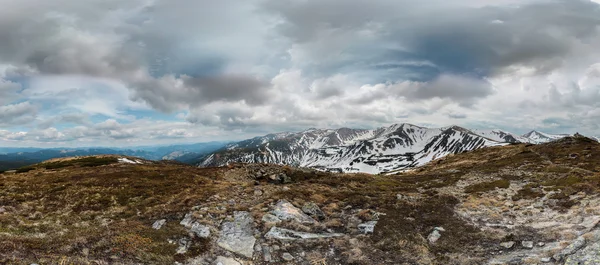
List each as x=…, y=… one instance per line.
x=517, y=204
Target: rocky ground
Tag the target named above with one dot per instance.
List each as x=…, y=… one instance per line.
x=517, y=204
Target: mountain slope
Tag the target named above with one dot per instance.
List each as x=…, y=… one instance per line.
x=512, y=204
x=387, y=149
x=537, y=137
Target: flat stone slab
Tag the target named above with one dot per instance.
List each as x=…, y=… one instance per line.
x=286, y=234
x=226, y=261
x=237, y=236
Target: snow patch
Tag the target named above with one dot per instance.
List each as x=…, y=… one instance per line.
x=128, y=161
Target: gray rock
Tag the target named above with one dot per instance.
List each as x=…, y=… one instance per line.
x=237, y=236
x=527, y=244
x=546, y=260
x=184, y=245
x=313, y=210
x=368, y=227
x=284, y=178
x=267, y=254
x=287, y=256
x=286, y=211
x=435, y=235
x=258, y=192
x=541, y=244
x=571, y=249
x=226, y=261
x=200, y=230
x=272, y=219
x=158, y=224
x=286, y=234
x=507, y=245
x=187, y=220
x=587, y=255
x=280, y=178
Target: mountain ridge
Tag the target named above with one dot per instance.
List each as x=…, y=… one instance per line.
x=383, y=150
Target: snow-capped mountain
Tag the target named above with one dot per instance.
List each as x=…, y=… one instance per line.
x=387, y=149
x=536, y=137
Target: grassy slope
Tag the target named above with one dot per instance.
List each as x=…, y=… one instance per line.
x=103, y=212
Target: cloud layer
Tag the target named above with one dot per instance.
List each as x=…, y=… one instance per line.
x=144, y=71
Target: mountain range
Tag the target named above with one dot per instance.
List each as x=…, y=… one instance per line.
x=383, y=150
x=11, y=158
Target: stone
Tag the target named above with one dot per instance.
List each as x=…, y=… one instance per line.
x=258, y=192
x=286, y=211
x=527, y=244
x=589, y=254
x=270, y=219
x=286, y=234
x=546, y=260
x=187, y=220
x=368, y=227
x=571, y=249
x=284, y=178
x=287, y=256
x=541, y=244
x=237, y=236
x=267, y=254
x=435, y=235
x=85, y=252
x=158, y=224
x=184, y=245
x=313, y=210
x=508, y=244
x=257, y=247
x=200, y=230
x=226, y=261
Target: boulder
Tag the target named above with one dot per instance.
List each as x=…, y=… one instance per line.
x=286, y=211
x=313, y=210
x=237, y=236
x=590, y=254
x=571, y=249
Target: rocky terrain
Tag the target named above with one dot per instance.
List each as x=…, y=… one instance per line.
x=512, y=204
x=384, y=150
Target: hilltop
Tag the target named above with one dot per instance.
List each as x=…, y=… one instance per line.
x=513, y=204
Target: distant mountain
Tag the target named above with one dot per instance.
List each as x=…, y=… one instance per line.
x=536, y=137
x=387, y=149
x=186, y=153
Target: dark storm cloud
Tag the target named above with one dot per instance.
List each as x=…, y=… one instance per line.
x=458, y=88
x=454, y=36
x=228, y=88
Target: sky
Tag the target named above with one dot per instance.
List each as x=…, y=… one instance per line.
x=139, y=72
